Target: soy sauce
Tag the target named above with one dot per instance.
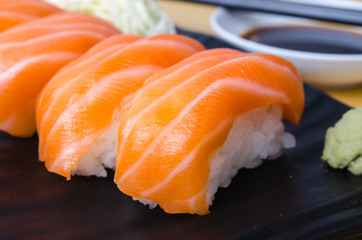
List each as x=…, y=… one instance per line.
x=309, y=39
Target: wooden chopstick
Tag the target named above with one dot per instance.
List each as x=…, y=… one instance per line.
x=331, y=14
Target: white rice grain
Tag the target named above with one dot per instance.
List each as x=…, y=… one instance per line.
x=255, y=136
x=100, y=155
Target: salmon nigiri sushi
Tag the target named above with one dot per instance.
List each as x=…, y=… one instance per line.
x=31, y=53
x=14, y=12
x=79, y=110
x=193, y=125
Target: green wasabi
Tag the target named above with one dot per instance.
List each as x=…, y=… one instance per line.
x=343, y=143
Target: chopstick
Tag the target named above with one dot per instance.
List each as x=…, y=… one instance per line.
x=331, y=14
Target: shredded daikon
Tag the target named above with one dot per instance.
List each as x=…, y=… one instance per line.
x=139, y=17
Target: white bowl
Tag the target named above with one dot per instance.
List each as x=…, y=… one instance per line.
x=320, y=69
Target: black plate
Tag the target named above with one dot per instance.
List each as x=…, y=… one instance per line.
x=294, y=197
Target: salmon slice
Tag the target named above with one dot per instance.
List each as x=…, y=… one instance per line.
x=14, y=12
x=87, y=97
x=182, y=116
x=31, y=53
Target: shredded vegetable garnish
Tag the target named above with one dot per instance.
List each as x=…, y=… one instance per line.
x=139, y=17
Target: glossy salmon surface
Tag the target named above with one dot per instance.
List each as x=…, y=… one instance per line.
x=183, y=115
x=31, y=53
x=90, y=94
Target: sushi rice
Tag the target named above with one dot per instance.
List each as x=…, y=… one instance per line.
x=255, y=136
x=100, y=155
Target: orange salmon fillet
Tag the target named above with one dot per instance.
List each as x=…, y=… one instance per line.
x=31, y=53
x=182, y=116
x=89, y=94
x=13, y=12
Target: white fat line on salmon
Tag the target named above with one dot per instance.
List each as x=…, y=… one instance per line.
x=194, y=198
x=69, y=85
x=251, y=86
x=57, y=26
x=96, y=90
x=87, y=59
x=12, y=14
x=11, y=73
x=184, y=163
x=49, y=37
x=58, y=93
x=119, y=48
x=70, y=154
x=132, y=122
x=189, y=64
x=170, y=43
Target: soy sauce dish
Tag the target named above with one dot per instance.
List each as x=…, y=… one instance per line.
x=326, y=54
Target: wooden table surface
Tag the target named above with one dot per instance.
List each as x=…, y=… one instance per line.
x=195, y=17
